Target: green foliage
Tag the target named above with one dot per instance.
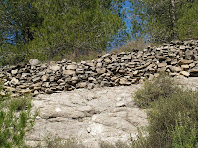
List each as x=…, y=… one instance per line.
x=184, y=136
x=52, y=29
x=162, y=86
x=187, y=25
x=11, y=54
x=83, y=26
x=164, y=128
x=15, y=120
x=163, y=21
x=173, y=119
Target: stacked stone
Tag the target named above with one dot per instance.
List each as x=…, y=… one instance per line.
x=176, y=58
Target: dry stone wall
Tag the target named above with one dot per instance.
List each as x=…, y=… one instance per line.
x=176, y=58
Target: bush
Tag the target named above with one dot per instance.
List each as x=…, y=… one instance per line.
x=173, y=117
x=162, y=86
x=15, y=120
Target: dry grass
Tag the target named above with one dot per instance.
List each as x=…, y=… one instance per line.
x=131, y=46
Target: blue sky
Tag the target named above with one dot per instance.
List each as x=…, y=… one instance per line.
x=127, y=20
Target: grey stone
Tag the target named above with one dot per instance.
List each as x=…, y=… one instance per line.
x=36, y=79
x=161, y=65
x=34, y=62
x=14, y=81
x=185, y=73
x=104, y=84
x=44, y=78
x=91, y=86
x=124, y=81
x=54, y=67
x=184, y=62
x=14, y=72
x=81, y=85
x=175, y=69
x=72, y=67
x=69, y=72
x=101, y=70
x=49, y=91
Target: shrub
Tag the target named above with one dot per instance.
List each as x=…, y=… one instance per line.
x=173, y=118
x=173, y=115
x=184, y=136
x=162, y=86
x=15, y=120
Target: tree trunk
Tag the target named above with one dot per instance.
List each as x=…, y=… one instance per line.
x=173, y=19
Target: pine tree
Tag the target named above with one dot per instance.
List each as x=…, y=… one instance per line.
x=17, y=18
x=75, y=26
x=164, y=20
x=47, y=29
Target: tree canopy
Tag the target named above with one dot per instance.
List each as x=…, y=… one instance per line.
x=164, y=20
x=46, y=29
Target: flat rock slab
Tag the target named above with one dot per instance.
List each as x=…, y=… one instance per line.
x=102, y=114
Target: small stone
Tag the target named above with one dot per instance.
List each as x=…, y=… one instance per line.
x=175, y=69
x=48, y=91
x=81, y=85
x=2, y=93
x=161, y=65
x=14, y=81
x=14, y=72
x=36, y=92
x=54, y=67
x=185, y=67
x=79, y=71
x=194, y=72
x=24, y=75
x=135, y=73
x=99, y=65
x=192, y=65
x=107, y=60
x=69, y=72
x=182, y=47
x=35, y=80
x=91, y=79
x=52, y=78
x=185, y=73
x=184, y=62
x=91, y=86
x=10, y=89
x=72, y=67
x=106, y=55
x=124, y=81
x=121, y=71
x=74, y=78
x=104, y=84
x=44, y=78
x=101, y=70
x=34, y=62
x=90, y=64
x=25, y=91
